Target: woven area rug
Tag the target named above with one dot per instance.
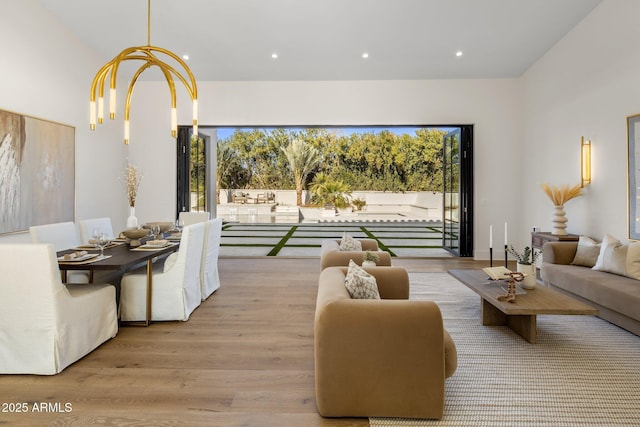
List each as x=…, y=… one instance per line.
x=582, y=372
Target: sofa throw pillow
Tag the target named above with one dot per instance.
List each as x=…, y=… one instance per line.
x=612, y=257
x=633, y=261
x=587, y=252
x=360, y=284
x=348, y=243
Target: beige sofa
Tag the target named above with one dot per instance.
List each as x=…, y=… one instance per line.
x=332, y=256
x=617, y=297
x=385, y=358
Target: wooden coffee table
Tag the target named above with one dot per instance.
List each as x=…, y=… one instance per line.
x=521, y=315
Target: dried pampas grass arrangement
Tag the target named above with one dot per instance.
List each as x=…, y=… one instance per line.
x=132, y=177
x=561, y=195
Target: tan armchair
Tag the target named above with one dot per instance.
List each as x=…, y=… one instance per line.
x=382, y=358
x=332, y=256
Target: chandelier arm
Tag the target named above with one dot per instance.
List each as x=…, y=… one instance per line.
x=146, y=54
x=194, y=87
x=127, y=104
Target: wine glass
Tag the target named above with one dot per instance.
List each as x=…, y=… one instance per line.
x=95, y=235
x=155, y=230
x=179, y=225
x=102, y=242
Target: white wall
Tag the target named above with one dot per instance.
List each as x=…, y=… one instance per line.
x=585, y=85
x=493, y=106
x=46, y=73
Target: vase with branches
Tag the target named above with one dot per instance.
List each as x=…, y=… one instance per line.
x=559, y=196
x=132, y=178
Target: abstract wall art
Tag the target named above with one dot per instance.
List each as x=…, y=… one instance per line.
x=37, y=172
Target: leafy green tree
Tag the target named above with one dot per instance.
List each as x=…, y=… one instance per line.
x=302, y=159
x=326, y=190
x=229, y=173
x=382, y=161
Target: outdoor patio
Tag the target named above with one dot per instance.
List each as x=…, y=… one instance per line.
x=401, y=239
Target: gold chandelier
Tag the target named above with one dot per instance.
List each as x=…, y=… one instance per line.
x=148, y=54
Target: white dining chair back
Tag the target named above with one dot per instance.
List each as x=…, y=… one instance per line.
x=63, y=235
x=86, y=227
x=44, y=325
x=176, y=283
x=189, y=218
x=209, y=277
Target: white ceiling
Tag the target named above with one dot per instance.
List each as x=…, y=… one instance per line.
x=325, y=39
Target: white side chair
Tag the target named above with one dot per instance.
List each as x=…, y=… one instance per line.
x=62, y=235
x=45, y=326
x=86, y=227
x=209, y=277
x=176, y=283
x=194, y=217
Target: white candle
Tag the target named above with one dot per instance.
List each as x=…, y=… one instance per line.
x=491, y=236
x=505, y=234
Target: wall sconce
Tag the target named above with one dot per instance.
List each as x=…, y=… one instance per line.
x=585, y=162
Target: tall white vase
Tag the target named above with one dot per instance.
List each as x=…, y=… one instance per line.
x=132, y=221
x=559, y=221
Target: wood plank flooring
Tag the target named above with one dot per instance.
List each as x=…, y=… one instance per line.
x=245, y=358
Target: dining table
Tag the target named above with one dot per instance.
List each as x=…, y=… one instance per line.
x=119, y=256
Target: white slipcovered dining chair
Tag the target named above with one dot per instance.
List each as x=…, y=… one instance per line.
x=86, y=227
x=176, y=283
x=62, y=235
x=189, y=218
x=45, y=326
x=209, y=277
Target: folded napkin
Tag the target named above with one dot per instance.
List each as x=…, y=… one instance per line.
x=74, y=255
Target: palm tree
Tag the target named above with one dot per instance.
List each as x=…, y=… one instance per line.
x=326, y=190
x=226, y=162
x=302, y=158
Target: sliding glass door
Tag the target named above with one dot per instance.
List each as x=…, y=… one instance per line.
x=457, y=211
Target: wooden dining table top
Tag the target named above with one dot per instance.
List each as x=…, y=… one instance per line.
x=122, y=257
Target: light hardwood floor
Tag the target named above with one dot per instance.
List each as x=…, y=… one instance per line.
x=245, y=358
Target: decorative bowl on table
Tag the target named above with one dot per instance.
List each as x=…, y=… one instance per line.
x=134, y=235
x=164, y=226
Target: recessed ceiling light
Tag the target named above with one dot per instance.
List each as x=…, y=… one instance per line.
x=459, y=53
x=365, y=55
x=274, y=55
x=185, y=57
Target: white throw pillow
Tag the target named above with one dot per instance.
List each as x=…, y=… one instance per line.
x=348, y=243
x=633, y=261
x=360, y=284
x=587, y=252
x=614, y=258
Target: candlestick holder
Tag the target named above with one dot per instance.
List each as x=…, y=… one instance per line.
x=506, y=253
x=490, y=257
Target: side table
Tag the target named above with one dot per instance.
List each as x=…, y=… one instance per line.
x=539, y=238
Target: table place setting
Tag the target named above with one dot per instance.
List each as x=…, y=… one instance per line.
x=94, y=247
x=154, y=245
x=81, y=257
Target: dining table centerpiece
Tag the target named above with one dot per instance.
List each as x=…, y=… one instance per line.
x=132, y=177
x=559, y=196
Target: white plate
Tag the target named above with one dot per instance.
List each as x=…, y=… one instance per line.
x=78, y=259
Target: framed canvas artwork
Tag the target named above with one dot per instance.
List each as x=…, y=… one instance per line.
x=37, y=172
